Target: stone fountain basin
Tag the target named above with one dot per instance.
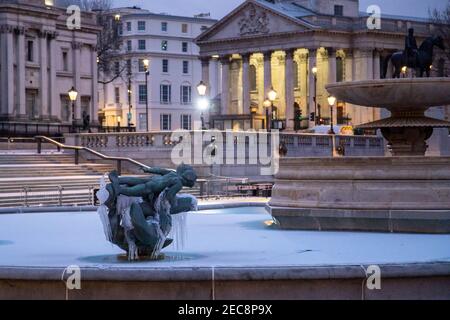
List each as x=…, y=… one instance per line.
x=394, y=94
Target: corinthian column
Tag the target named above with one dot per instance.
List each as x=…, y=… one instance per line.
x=267, y=71
x=331, y=65
x=7, y=74
x=246, y=83
x=21, y=94
x=312, y=59
x=94, y=102
x=289, y=82
x=205, y=74
x=44, y=74
x=225, y=96
x=55, y=105
x=76, y=46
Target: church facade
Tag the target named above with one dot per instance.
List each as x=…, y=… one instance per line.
x=297, y=47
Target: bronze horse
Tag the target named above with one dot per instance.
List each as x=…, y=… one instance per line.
x=421, y=61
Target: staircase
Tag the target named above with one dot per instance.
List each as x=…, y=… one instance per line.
x=47, y=180
x=30, y=180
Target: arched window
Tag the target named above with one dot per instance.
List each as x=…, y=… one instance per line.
x=296, y=79
x=253, y=84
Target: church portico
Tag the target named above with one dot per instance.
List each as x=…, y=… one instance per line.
x=297, y=51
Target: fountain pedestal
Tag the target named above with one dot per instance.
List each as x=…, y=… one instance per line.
x=404, y=193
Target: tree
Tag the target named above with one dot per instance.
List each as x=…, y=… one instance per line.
x=441, y=20
x=109, y=42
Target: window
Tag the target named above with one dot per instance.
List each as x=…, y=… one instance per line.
x=165, y=65
x=65, y=61
x=117, y=67
x=166, y=122
x=141, y=65
x=129, y=45
x=339, y=69
x=164, y=26
x=164, y=45
x=142, y=94
x=128, y=26
x=165, y=93
x=120, y=29
x=142, y=122
x=186, y=94
x=32, y=100
x=184, y=47
x=253, y=86
x=185, y=121
x=185, y=67
x=129, y=71
x=203, y=28
x=339, y=10
x=117, y=95
x=30, y=51
x=141, y=44
x=184, y=28
x=66, y=107
x=141, y=25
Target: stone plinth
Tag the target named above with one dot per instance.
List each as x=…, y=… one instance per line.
x=395, y=194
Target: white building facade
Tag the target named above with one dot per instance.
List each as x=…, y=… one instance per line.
x=41, y=59
x=174, y=72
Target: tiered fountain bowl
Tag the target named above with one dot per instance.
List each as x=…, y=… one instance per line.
x=407, y=192
x=407, y=99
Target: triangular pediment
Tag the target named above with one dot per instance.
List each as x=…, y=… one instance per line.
x=253, y=18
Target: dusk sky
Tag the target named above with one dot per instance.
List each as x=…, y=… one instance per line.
x=219, y=8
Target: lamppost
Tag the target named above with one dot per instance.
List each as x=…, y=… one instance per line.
x=268, y=103
x=203, y=102
x=314, y=71
x=331, y=102
x=73, y=94
x=129, y=116
x=146, y=63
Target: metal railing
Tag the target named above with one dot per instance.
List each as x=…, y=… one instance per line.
x=77, y=149
x=55, y=195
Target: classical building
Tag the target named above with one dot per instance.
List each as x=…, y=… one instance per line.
x=41, y=60
x=277, y=43
x=174, y=71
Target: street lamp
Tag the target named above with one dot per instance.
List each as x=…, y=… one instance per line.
x=203, y=103
x=267, y=104
x=314, y=71
x=331, y=102
x=146, y=63
x=73, y=94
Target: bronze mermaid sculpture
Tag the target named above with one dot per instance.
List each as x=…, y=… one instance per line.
x=137, y=212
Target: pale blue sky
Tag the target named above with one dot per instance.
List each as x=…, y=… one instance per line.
x=219, y=8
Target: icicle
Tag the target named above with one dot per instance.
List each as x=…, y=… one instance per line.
x=179, y=231
x=103, y=211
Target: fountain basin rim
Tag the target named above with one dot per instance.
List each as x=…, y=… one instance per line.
x=224, y=273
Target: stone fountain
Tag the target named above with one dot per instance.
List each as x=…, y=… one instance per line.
x=407, y=192
x=408, y=129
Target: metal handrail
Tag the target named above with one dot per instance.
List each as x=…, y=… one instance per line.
x=77, y=149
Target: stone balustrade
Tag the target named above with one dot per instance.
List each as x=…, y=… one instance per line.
x=298, y=145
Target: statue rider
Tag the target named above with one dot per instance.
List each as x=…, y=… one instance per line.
x=411, y=48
